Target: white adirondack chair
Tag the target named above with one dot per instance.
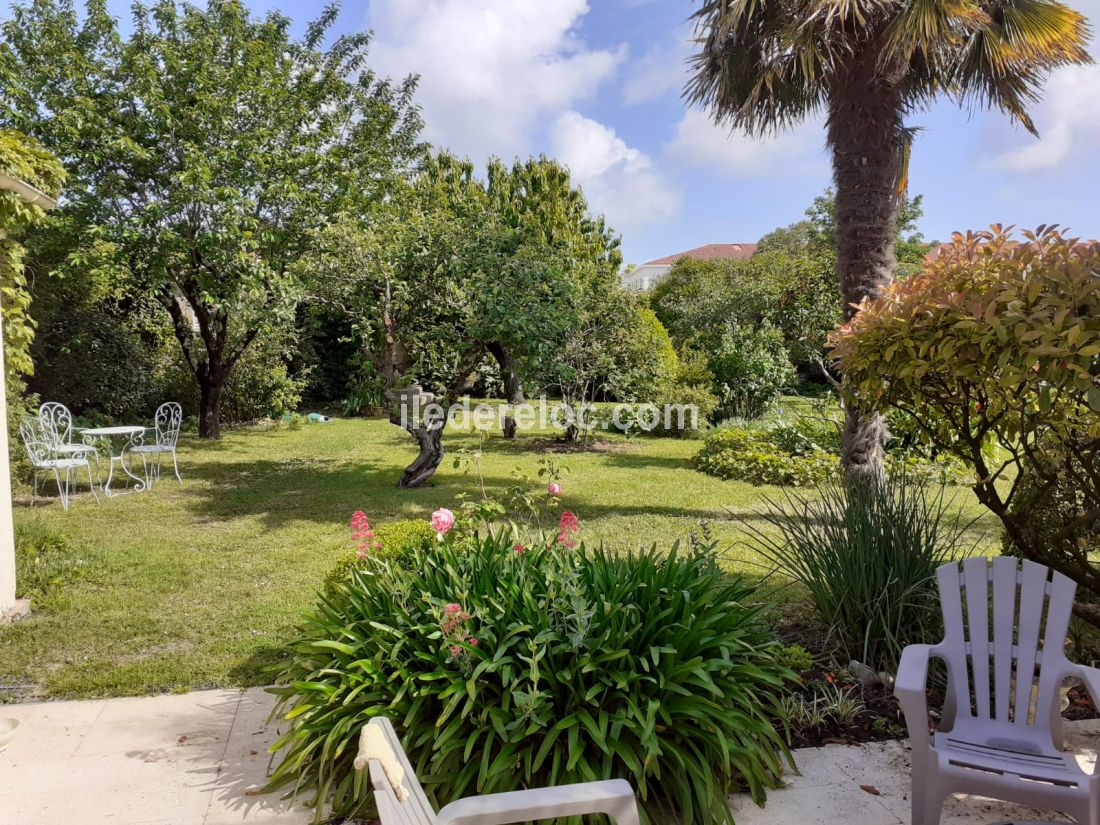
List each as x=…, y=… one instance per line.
x=401, y=801
x=1001, y=732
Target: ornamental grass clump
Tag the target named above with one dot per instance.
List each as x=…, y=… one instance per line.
x=506, y=665
x=867, y=556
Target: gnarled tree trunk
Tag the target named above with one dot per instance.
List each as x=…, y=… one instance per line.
x=866, y=134
x=430, y=442
x=408, y=412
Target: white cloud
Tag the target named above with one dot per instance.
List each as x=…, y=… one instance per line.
x=698, y=142
x=618, y=180
x=491, y=72
x=661, y=69
x=1067, y=117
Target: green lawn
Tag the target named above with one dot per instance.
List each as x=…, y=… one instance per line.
x=200, y=586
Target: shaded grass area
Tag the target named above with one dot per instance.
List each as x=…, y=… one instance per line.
x=201, y=585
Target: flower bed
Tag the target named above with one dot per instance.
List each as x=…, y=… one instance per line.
x=509, y=663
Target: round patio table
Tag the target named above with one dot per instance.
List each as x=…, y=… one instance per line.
x=118, y=441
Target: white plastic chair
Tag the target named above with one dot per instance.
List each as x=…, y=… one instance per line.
x=166, y=428
x=56, y=423
x=401, y=801
x=1001, y=732
x=43, y=457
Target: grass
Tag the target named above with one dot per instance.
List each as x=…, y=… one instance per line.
x=200, y=586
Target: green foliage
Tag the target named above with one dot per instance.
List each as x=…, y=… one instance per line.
x=827, y=702
x=261, y=385
x=751, y=369
x=1057, y=509
x=815, y=235
x=645, y=362
x=797, y=294
x=867, y=557
x=751, y=455
x=395, y=540
x=795, y=658
x=804, y=451
x=693, y=385
x=203, y=147
x=505, y=670
x=24, y=159
x=993, y=350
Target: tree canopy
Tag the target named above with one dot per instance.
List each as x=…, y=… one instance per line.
x=203, y=148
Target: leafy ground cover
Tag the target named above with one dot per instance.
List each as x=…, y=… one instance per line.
x=201, y=586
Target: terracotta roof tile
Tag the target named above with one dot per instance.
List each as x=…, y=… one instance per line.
x=711, y=252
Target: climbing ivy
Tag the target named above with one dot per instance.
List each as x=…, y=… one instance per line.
x=23, y=158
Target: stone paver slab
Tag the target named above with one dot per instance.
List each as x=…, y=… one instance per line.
x=50, y=729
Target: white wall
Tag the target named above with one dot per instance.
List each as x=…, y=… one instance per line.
x=645, y=276
x=7, y=537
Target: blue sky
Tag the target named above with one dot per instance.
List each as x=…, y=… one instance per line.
x=597, y=84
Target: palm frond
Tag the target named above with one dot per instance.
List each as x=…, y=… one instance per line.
x=901, y=184
x=1003, y=64
x=756, y=68
x=929, y=26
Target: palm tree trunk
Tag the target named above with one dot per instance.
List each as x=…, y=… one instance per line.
x=866, y=135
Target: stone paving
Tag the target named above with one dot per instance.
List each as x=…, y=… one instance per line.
x=869, y=785
x=201, y=758
x=185, y=759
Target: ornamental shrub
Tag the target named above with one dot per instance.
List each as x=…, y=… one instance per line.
x=1058, y=510
x=393, y=540
x=752, y=455
x=508, y=666
x=750, y=368
x=997, y=344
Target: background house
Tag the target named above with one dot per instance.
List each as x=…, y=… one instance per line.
x=645, y=276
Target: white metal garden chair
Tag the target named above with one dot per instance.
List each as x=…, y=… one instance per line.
x=56, y=424
x=1005, y=626
x=166, y=429
x=401, y=801
x=43, y=458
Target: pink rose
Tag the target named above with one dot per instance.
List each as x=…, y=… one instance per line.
x=555, y=488
x=442, y=520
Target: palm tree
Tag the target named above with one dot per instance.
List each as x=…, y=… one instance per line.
x=763, y=65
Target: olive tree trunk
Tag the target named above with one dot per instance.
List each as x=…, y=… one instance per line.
x=430, y=442
x=866, y=135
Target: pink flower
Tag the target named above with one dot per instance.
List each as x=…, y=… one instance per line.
x=442, y=521
x=452, y=608
x=472, y=641
x=455, y=650
x=360, y=553
x=519, y=548
x=555, y=488
x=567, y=529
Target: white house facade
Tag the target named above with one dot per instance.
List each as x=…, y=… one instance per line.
x=646, y=276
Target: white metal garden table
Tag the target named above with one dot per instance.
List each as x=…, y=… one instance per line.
x=118, y=441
